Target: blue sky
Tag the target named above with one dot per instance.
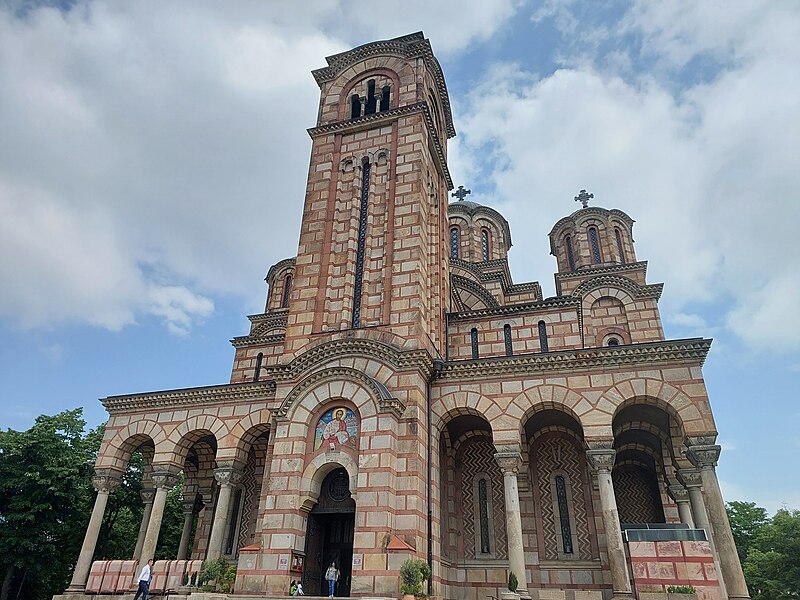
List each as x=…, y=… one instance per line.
x=154, y=159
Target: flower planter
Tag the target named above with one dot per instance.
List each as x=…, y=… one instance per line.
x=666, y=596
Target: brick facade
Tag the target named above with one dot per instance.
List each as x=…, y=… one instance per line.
x=433, y=442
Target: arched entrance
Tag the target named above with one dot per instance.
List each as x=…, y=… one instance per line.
x=329, y=535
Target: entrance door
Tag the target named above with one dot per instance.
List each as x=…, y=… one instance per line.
x=329, y=536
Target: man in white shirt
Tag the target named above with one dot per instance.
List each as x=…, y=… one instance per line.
x=144, y=580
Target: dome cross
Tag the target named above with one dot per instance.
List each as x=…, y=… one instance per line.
x=584, y=198
x=461, y=193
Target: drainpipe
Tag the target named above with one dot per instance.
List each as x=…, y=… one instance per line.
x=438, y=365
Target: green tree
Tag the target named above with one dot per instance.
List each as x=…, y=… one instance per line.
x=45, y=499
x=772, y=567
x=747, y=520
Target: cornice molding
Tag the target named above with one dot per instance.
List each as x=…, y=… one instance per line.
x=384, y=118
x=596, y=211
x=459, y=282
x=245, y=341
x=491, y=270
x=634, y=289
x=472, y=209
x=400, y=360
x=279, y=266
x=591, y=271
x=589, y=359
x=512, y=309
x=224, y=394
x=382, y=397
x=408, y=46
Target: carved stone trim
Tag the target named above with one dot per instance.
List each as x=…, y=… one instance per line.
x=164, y=479
x=147, y=496
x=510, y=462
x=693, y=351
x=227, y=475
x=383, y=399
x=226, y=394
x=704, y=457
x=690, y=478
x=601, y=460
x=105, y=483
x=249, y=340
x=678, y=493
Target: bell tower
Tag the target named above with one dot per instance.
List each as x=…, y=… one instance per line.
x=373, y=248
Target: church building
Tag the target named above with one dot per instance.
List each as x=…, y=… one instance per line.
x=402, y=397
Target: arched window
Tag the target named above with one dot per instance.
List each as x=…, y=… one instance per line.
x=483, y=515
x=455, y=242
x=612, y=341
x=543, y=337
x=257, y=372
x=594, y=241
x=563, y=514
x=474, y=339
x=485, y=243
x=618, y=235
x=355, y=107
x=287, y=288
x=507, y=339
x=372, y=101
x=362, y=242
x=385, y=98
x=570, y=255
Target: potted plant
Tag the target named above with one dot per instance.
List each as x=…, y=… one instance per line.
x=513, y=584
x=413, y=573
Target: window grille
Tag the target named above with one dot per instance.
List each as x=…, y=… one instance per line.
x=485, y=243
x=563, y=514
x=474, y=337
x=362, y=242
x=595, y=242
x=455, y=242
x=507, y=339
x=570, y=255
x=543, y=337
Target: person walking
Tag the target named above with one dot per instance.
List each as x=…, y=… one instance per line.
x=144, y=581
x=332, y=576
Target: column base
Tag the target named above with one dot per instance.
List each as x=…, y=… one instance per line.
x=75, y=589
x=622, y=596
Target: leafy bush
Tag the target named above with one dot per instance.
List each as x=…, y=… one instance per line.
x=220, y=572
x=680, y=589
x=512, y=582
x=412, y=573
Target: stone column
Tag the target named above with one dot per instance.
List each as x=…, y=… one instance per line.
x=188, y=519
x=691, y=479
x=509, y=464
x=226, y=477
x=601, y=461
x=104, y=484
x=705, y=457
x=147, y=499
x=163, y=482
x=681, y=496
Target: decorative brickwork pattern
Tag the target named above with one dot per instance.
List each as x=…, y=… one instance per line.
x=477, y=456
x=638, y=499
x=558, y=453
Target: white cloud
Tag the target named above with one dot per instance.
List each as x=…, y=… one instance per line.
x=709, y=170
x=150, y=148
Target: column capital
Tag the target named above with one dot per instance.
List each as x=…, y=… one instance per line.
x=164, y=479
x=678, y=493
x=227, y=475
x=704, y=456
x=509, y=462
x=105, y=482
x=147, y=495
x=690, y=478
x=188, y=507
x=601, y=460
